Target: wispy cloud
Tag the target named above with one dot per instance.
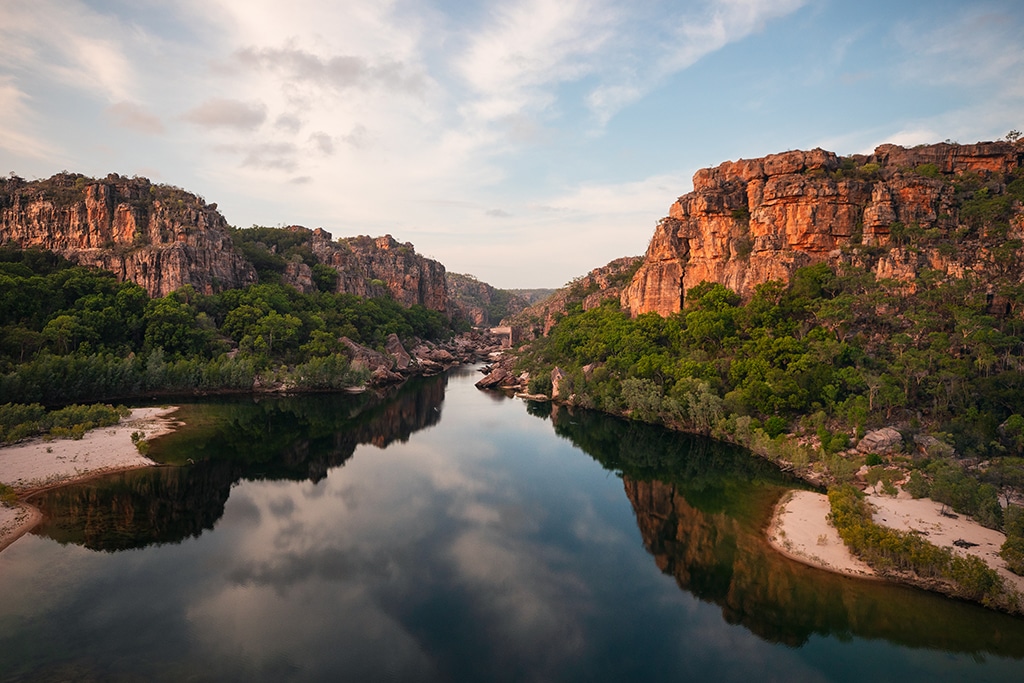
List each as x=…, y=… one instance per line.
x=696, y=33
x=69, y=43
x=19, y=139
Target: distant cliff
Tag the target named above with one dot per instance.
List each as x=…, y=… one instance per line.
x=163, y=238
x=588, y=291
x=479, y=303
x=158, y=236
x=312, y=260
x=953, y=209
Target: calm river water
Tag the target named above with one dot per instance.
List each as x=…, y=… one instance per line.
x=449, y=534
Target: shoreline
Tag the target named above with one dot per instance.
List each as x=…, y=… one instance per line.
x=799, y=529
x=37, y=465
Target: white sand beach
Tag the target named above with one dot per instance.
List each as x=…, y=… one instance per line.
x=39, y=464
x=800, y=530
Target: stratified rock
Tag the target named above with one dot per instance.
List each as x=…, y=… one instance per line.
x=402, y=360
x=750, y=221
x=157, y=236
x=932, y=447
x=373, y=267
x=299, y=276
x=883, y=441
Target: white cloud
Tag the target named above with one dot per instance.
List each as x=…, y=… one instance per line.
x=528, y=48
x=67, y=42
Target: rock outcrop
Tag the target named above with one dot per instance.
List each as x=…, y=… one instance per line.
x=750, y=221
x=158, y=236
x=371, y=267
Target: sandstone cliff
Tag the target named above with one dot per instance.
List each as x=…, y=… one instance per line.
x=953, y=209
x=158, y=236
x=365, y=266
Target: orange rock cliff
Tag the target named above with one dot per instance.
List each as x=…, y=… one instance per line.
x=163, y=238
x=158, y=236
x=894, y=212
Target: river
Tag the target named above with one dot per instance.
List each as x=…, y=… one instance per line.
x=448, y=534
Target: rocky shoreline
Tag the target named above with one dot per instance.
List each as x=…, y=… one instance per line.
x=396, y=364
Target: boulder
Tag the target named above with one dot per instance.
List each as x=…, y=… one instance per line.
x=364, y=358
x=493, y=379
x=881, y=441
x=395, y=349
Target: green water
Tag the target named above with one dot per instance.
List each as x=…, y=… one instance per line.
x=444, y=533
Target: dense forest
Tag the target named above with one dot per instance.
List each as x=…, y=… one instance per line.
x=71, y=333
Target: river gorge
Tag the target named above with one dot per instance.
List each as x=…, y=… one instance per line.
x=446, y=533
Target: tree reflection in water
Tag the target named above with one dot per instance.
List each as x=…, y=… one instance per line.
x=292, y=438
x=702, y=507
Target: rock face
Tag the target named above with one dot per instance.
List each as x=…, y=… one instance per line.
x=750, y=221
x=372, y=267
x=158, y=236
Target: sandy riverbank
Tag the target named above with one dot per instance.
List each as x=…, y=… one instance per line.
x=41, y=464
x=800, y=530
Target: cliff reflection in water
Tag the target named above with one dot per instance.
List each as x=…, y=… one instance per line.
x=292, y=438
x=701, y=507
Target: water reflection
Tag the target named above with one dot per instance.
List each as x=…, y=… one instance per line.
x=482, y=548
x=291, y=438
x=701, y=507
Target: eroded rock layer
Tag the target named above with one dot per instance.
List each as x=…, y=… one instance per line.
x=158, y=236
x=894, y=212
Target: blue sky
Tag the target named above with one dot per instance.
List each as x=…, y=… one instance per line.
x=522, y=141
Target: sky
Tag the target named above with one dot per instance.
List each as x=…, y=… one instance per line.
x=524, y=142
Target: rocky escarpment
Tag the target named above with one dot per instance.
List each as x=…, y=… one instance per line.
x=364, y=266
x=952, y=209
x=158, y=236
x=588, y=291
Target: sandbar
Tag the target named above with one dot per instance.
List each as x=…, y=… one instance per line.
x=39, y=464
x=800, y=530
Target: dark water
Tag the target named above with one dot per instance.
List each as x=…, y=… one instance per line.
x=450, y=534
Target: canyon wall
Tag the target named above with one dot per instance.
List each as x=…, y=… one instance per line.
x=163, y=238
x=374, y=266
x=894, y=212
x=158, y=236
